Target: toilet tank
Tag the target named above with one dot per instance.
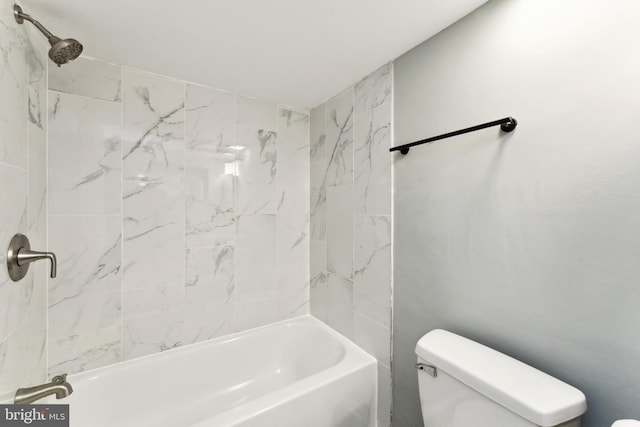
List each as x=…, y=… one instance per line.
x=474, y=385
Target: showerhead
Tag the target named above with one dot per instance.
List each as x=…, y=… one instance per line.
x=62, y=50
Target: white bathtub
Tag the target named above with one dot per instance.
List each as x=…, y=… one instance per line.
x=296, y=373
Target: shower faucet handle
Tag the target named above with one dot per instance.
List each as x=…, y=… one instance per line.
x=20, y=255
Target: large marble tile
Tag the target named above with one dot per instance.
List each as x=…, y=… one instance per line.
x=256, y=113
x=84, y=156
x=209, y=291
x=207, y=320
x=210, y=117
x=152, y=320
x=339, y=142
x=153, y=126
x=340, y=230
x=210, y=274
x=81, y=352
x=21, y=357
x=12, y=362
x=318, y=200
x=37, y=187
x=293, y=253
x=210, y=166
x=318, y=169
x=256, y=168
x=85, y=295
x=374, y=90
x=33, y=333
x=372, y=337
x=384, y=395
x=340, y=304
x=318, y=286
x=372, y=162
x=21, y=353
x=153, y=232
x=372, y=267
x=365, y=304
x=254, y=312
x=87, y=77
x=37, y=64
x=293, y=150
x=255, y=257
x=210, y=217
x=84, y=300
x=14, y=215
x=35, y=328
x=14, y=89
x=12, y=365
x=318, y=133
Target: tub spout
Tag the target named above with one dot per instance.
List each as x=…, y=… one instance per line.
x=58, y=386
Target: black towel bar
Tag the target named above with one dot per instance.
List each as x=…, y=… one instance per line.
x=506, y=125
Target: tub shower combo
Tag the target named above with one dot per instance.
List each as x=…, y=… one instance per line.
x=292, y=373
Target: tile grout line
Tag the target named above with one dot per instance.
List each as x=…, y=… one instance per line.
x=47, y=231
x=122, y=250
x=184, y=210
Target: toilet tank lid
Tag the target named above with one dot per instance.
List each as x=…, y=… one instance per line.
x=530, y=393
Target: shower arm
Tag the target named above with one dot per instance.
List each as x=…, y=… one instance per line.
x=20, y=16
x=62, y=51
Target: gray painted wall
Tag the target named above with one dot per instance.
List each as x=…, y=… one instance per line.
x=527, y=242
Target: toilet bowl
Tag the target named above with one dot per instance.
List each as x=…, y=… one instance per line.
x=463, y=383
x=626, y=423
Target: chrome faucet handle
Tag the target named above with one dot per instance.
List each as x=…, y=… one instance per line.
x=20, y=255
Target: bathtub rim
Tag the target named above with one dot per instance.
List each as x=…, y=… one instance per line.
x=350, y=347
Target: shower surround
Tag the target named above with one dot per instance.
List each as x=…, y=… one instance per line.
x=178, y=212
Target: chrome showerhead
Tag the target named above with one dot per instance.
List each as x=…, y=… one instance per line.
x=62, y=50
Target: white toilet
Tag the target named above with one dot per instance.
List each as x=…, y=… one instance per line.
x=463, y=383
x=626, y=423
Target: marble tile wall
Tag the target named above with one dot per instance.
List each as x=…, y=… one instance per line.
x=179, y=213
x=23, y=203
x=351, y=219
